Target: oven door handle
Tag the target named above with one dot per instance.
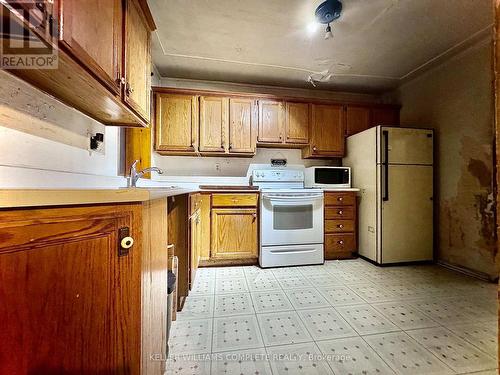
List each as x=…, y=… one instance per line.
x=282, y=198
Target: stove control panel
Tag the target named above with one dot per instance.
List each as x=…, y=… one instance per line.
x=277, y=175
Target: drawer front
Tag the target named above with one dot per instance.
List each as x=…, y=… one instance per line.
x=234, y=200
x=340, y=242
x=340, y=199
x=339, y=212
x=339, y=226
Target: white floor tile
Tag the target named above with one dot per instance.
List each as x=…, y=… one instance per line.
x=191, y=337
x=224, y=286
x=353, y=356
x=314, y=271
x=350, y=277
x=203, y=287
x=405, y=355
x=294, y=282
x=452, y=350
x=191, y=364
x=306, y=298
x=340, y=296
x=229, y=272
x=325, y=324
x=442, y=311
x=324, y=281
x=286, y=272
x=205, y=273
x=262, y=282
x=271, y=301
x=482, y=335
x=197, y=307
x=298, y=359
x=233, y=304
x=242, y=362
x=404, y=315
x=235, y=333
x=373, y=293
x=366, y=320
x=282, y=328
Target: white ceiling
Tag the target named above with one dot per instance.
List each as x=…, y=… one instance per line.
x=377, y=44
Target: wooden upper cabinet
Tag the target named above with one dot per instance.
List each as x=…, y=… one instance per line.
x=297, y=123
x=91, y=31
x=242, y=126
x=385, y=116
x=214, y=122
x=271, y=121
x=176, y=123
x=137, y=59
x=357, y=119
x=326, y=131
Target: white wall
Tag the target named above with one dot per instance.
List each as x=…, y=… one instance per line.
x=44, y=143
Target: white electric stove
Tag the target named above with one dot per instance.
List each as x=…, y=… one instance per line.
x=291, y=225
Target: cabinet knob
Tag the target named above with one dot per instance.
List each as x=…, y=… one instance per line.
x=340, y=199
x=314, y=148
x=254, y=215
x=340, y=212
x=340, y=242
x=340, y=226
x=127, y=242
x=129, y=90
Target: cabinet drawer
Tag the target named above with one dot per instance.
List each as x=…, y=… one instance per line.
x=339, y=212
x=340, y=199
x=340, y=242
x=234, y=200
x=339, y=226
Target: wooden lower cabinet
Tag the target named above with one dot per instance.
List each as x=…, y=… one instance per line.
x=234, y=233
x=69, y=302
x=340, y=225
x=196, y=240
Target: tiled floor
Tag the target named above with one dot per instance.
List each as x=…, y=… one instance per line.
x=347, y=317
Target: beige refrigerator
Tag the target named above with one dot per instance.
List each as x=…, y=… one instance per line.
x=393, y=168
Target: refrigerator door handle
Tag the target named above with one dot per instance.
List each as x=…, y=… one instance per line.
x=385, y=187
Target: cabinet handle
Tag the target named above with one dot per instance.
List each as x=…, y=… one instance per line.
x=341, y=242
x=230, y=146
x=340, y=212
x=254, y=215
x=340, y=226
x=127, y=242
x=314, y=149
x=340, y=199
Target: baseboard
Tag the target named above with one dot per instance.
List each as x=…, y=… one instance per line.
x=467, y=271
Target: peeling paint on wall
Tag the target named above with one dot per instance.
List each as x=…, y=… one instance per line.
x=461, y=113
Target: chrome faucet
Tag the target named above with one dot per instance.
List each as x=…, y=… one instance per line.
x=135, y=175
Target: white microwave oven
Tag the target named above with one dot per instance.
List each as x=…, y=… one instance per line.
x=328, y=177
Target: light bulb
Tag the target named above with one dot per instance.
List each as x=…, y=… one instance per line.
x=328, y=34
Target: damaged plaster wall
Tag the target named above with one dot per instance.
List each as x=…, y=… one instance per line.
x=456, y=100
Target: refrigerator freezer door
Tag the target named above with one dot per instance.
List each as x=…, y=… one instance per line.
x=405, y=146
x=407, y=215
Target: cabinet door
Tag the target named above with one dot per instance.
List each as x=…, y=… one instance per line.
x=176, y=122
x=270, y=121
x=234, y=233
x=297, y=123
x=214, y=121
x=137, y=60
x=242, y=124
x=327, y=131
x=357, y=119
x=67, y=293
x=384, y=116
x=91, y=31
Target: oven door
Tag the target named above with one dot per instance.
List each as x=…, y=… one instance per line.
x=291, y=218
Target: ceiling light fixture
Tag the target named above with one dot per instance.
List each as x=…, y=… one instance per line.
x=327, y=12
